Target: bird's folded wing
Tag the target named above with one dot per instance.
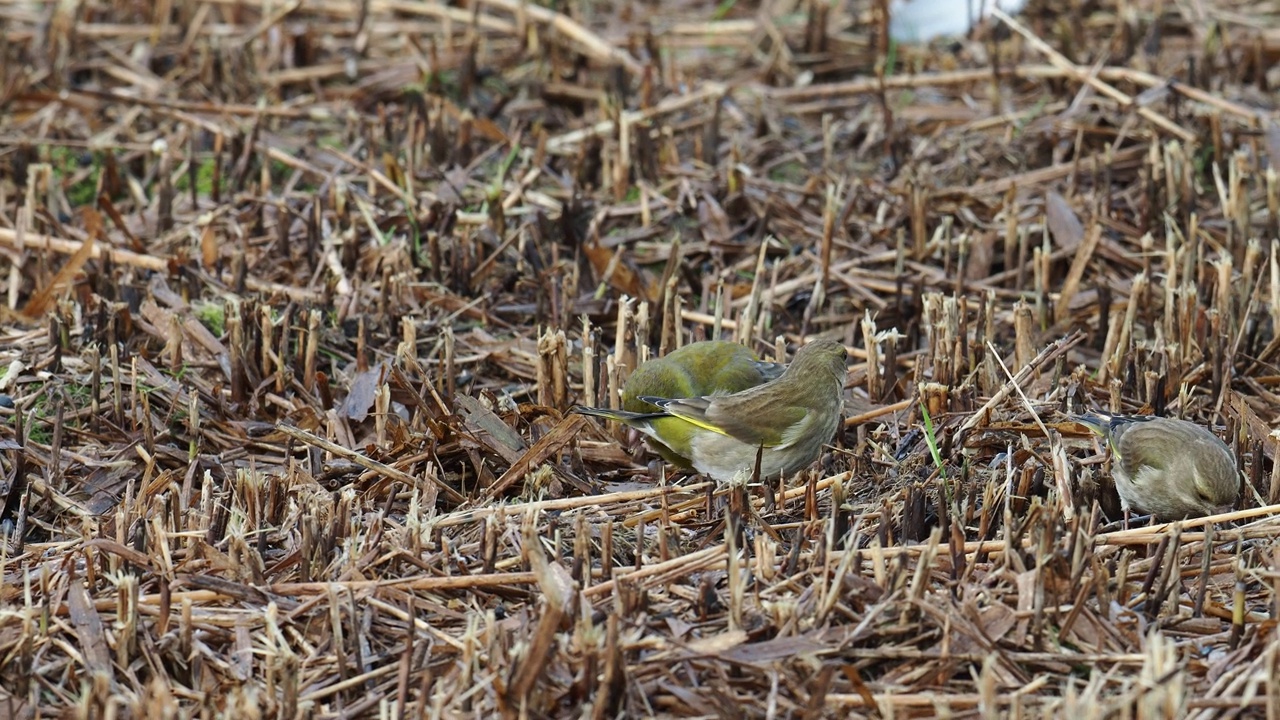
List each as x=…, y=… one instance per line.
x=770, y=370
x=1142, y=447
x=764, y=429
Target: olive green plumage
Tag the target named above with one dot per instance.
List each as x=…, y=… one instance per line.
x=786, y=420
x=1167, y=467
x=709, y=367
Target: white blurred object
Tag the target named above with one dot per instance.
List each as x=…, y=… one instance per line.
x=924, y=20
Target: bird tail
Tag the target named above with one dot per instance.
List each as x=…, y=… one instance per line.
x=1100, y=424
x=621, y=416
x=1108, y=425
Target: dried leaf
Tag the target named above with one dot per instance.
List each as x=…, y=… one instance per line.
x=1064, y=226
x=486, y=426
x=363, y=391
x=89, y=629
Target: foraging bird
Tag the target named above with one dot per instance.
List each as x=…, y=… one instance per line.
x=786, y=420
x=1167, y=467
x=710, y=367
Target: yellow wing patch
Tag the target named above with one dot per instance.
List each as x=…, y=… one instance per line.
x=696, y=421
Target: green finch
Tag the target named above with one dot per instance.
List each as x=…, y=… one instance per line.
x=710, y=367
x=1167, y=467
x=786, y=420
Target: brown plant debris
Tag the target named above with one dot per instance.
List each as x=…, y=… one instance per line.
x=299, y=296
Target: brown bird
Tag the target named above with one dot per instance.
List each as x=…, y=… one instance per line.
x=1167, y=467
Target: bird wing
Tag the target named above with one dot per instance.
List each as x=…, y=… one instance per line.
x=763, y=429
x=770, y=370
x=1139, y=451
